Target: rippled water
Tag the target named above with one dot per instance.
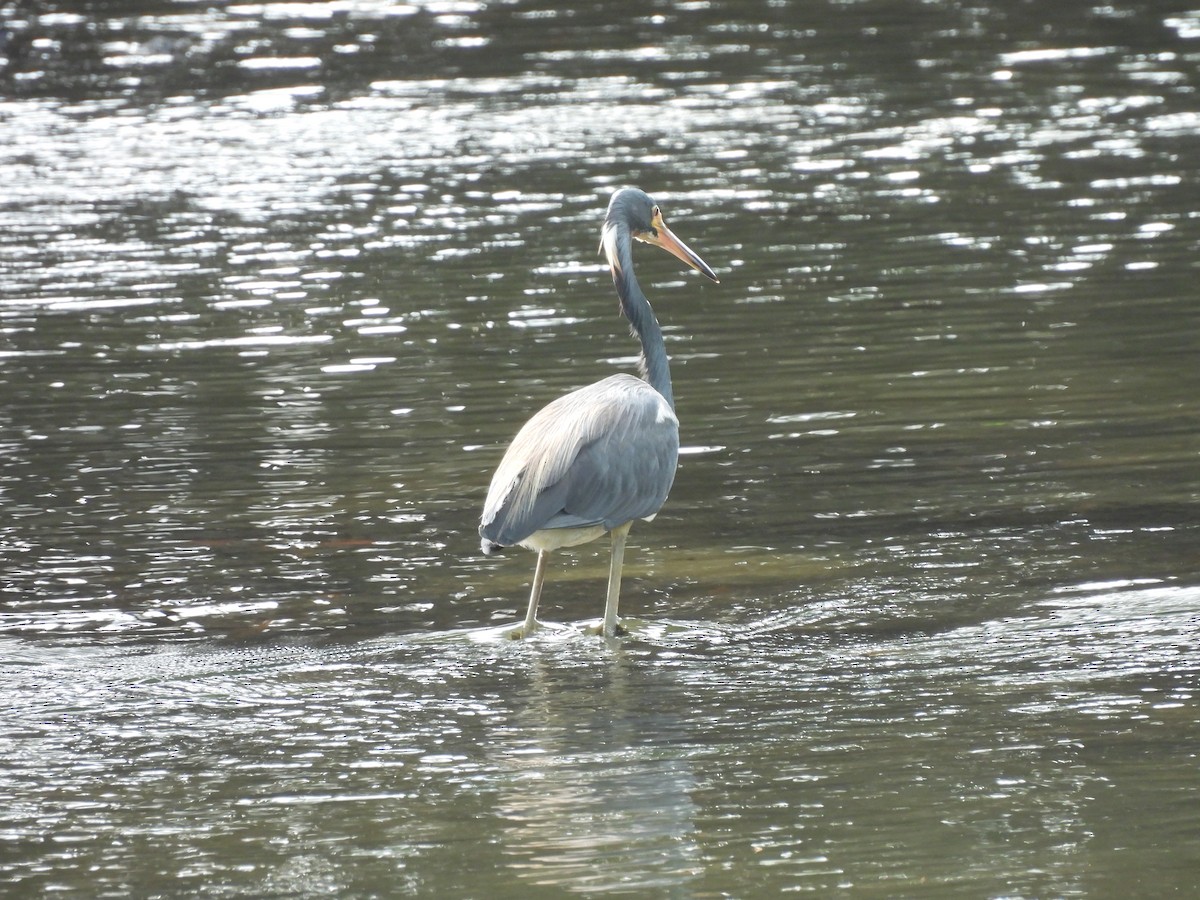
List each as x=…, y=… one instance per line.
x=279, y=281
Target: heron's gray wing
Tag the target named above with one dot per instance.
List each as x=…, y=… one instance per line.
x=603, y=451
x=625, y=474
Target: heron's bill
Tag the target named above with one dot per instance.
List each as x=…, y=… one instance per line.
x=666, y=239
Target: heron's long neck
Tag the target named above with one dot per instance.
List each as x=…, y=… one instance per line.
x=654, y=365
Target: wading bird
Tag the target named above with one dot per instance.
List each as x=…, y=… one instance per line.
x=599, y=457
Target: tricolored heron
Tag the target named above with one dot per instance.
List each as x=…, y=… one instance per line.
x=599, y=457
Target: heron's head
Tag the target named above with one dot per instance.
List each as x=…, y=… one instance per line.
x=632, y=215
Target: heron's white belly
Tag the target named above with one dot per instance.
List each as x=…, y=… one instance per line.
x=554, y=538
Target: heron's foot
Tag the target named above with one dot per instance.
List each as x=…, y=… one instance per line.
x=523, y=631
x=619, y=630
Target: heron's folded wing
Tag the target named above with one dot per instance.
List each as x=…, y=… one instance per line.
x=624, y=475
x=603, y=454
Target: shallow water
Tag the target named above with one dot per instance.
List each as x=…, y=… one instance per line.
x=279, y=281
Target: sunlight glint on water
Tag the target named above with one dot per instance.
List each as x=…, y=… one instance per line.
x=277, y=283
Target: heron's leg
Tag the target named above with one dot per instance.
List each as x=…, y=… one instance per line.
x=535, y=593
x=614, y=579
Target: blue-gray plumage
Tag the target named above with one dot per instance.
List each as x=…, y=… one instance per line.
x=598, y=458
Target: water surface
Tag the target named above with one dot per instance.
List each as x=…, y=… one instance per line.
x=277, y=284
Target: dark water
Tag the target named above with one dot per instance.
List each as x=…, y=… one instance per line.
x=279, y=281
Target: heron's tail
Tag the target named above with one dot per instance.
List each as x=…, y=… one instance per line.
x=489, y=547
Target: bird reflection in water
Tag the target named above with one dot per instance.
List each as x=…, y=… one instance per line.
x=587, y=804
